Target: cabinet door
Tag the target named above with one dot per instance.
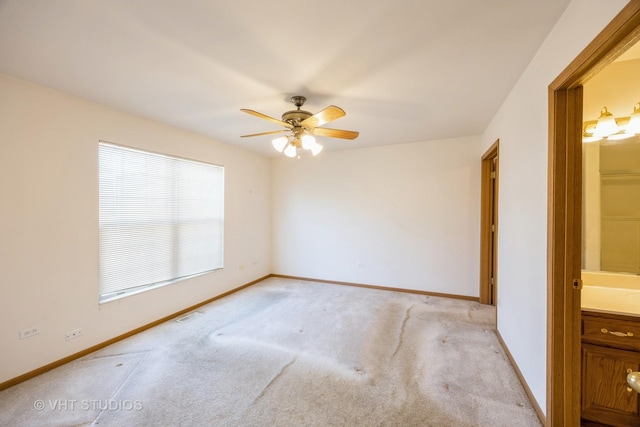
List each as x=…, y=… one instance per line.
x=606, y=397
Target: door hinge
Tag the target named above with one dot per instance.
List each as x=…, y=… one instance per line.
x=577, y=283
x=493, y=228
x=493, y=175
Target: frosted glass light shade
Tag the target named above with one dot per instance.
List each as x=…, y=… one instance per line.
x=280, y=143
x=308, y=142
x=290, y=151
x=606, y=124
x=634, y=121
x=316, y=148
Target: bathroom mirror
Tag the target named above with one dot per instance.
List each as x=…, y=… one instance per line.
x=611, y=173
x=611, y=206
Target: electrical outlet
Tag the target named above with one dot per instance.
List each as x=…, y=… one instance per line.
x=26, y=333
x=73, y=334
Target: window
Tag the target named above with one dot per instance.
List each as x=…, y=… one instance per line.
x=161, y=219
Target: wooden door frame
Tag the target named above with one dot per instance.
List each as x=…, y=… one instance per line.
x=486, y=200
x=564, y=213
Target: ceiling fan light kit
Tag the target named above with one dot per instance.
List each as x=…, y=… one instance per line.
x=301, y=126
x=280, y=142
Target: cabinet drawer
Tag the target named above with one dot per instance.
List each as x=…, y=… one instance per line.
x=614, y=332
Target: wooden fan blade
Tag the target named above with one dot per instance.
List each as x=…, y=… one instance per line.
x=264, y=133
x=325, y=116
x=264, y=116
x=336, y=133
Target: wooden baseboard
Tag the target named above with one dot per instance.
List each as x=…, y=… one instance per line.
x=57, y=363
x=527, y=390
x=382, y=288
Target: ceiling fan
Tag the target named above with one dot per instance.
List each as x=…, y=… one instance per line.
x=302, y=125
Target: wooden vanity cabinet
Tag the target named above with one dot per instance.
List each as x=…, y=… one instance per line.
x=610, y=349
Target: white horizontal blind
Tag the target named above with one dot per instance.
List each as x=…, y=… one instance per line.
x=161, y=219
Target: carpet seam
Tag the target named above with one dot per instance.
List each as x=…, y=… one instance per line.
x=273, y=380
x=407, y=315
x=119, y=388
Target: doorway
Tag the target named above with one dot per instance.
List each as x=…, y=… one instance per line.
x=565, y=205
x=489, y=226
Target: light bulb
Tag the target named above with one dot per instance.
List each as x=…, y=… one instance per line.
x=308, y=141
x=280, y=143
x=290, y=151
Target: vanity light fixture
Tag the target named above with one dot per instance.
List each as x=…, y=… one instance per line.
x=612, y=128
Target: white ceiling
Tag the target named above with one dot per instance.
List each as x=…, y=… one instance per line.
x=403, y=70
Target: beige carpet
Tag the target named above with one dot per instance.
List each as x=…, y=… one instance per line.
x=291, y=353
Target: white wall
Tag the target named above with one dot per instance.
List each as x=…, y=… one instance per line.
x=521, y=124
x=49, y=223
x=404, y=216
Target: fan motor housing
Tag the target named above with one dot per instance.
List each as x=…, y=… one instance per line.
x=295, y=116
